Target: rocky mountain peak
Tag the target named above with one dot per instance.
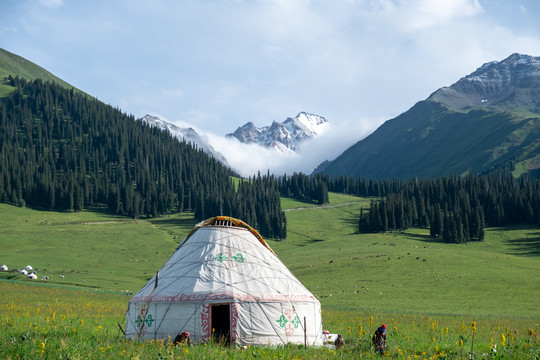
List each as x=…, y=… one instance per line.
x=513, y=82
x=285, y=136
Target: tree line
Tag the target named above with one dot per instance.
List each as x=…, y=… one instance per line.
x=303, y=187
x=455, y=209
x=63, y=150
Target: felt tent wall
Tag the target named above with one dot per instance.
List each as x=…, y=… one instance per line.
x=225, y=281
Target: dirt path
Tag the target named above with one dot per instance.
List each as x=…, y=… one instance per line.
x=322, y=206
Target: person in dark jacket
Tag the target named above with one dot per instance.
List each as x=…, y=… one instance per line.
x=339, y=343
x=379, y=339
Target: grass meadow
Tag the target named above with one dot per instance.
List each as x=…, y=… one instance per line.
x=439, y=301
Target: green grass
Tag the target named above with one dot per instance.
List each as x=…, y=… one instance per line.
x=55, y=323
x=12, y=64
x=409, y=271
x=407, y=280
x=5, y=88
x=91, y=248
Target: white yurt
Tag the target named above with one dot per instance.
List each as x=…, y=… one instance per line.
x=31, y=276
x=4, y=268
x=224, y=282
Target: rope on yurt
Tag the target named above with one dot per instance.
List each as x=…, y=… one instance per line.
x=270, y=321
x=120, y=326
x=280, y=293
x=197, y=305
x=147, y=307
x=162, y=318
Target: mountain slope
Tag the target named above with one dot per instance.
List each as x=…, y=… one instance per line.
x=184, y=134
x=285, y=136
x=14, y=65
x=489, y=119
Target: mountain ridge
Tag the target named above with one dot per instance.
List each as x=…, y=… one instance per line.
x=494, y=84
x=285, y=136
x=455, y=131
x=187, y=134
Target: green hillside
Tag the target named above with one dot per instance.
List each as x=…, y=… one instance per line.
x=486, y=121
x=431, y=140
x=14, y=65
x=394, y=272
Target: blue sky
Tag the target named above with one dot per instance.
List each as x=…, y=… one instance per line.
x=216, y=64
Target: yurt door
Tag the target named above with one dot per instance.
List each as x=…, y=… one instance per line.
x=221, y=322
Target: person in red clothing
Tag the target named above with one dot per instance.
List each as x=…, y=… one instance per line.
x=379, y=339
x=182, y=338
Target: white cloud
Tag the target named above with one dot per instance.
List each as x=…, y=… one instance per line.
x=5, y=29
x=51, y=3
x=248, y=159
x=412, y=16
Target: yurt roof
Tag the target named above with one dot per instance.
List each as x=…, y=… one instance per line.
x=222, y=258
x=226, y=221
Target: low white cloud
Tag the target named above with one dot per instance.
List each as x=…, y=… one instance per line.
x=248, y=159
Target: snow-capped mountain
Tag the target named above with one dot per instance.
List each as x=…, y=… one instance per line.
x=285, y=136
x=512, y=82
x=184, y=133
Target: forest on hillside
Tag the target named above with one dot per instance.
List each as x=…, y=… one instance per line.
x=62, y=150
x=456, y=209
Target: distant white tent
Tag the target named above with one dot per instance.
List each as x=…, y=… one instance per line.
x=29, y=268
x=31, y=276
x=224, y=280
x=23, y=272
x=4, y=268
